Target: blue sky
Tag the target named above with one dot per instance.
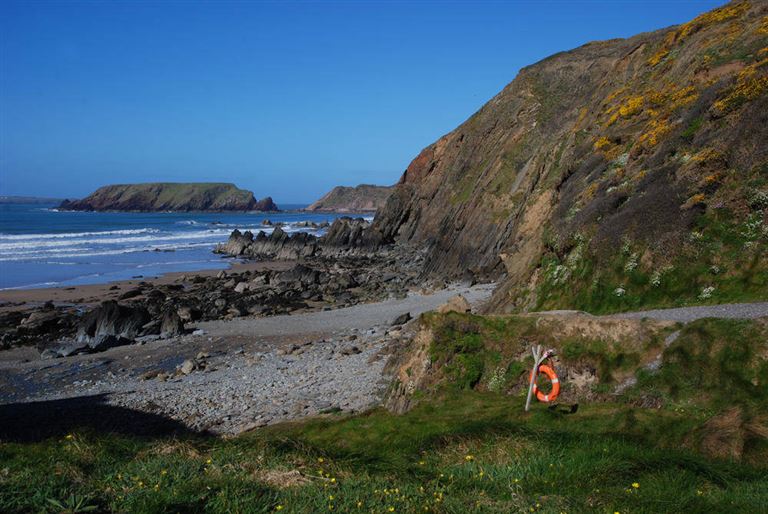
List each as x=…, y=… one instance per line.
x=287, y=99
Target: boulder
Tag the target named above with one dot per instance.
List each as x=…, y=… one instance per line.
x=72, y=348
x=402, y=319
x=300, y=273
x=187, y=367
x=455, y=304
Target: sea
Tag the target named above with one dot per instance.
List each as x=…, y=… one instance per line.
x=43, y=247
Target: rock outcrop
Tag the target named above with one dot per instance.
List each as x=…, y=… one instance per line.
x=167, y=196
x=618, y=155
x=362, y=198
x=344, y=236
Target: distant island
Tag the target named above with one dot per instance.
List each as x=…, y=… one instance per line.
x=170, y=196
x=363, y=198
x=27, y=199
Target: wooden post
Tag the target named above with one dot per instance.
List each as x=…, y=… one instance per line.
x=534, y=374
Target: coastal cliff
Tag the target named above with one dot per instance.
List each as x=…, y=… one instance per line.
x=168, y=196
x=620, y=174
x=362, y=198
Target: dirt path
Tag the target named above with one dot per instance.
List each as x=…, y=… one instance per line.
x=359, y=317
x=682, y=314
x=686, y=314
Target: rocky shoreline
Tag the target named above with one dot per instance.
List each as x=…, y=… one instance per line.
x=334, y=271
x=307, y=332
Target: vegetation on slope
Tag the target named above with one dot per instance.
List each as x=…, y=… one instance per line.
x=621, y=174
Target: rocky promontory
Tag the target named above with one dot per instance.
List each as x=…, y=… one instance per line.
x=170, y=196
x=362, y=198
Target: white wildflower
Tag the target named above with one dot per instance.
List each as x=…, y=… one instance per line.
x=631, y=264
x=706, y=292
x=497, y=380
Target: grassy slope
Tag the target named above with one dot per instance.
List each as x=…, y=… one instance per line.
x=460, y=450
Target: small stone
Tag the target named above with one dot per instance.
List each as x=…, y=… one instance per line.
x=402, y=319
x=187, y=367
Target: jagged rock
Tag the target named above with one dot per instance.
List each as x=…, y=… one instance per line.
x=188, y=314
x=171, y=325
x=132, y=293
x=111, y=318
x=277, y=245
x=104, y=342
x=241, y=287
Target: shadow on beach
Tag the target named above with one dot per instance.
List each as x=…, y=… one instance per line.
x=36, y=421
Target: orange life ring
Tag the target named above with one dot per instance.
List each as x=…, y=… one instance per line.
x=552, y=376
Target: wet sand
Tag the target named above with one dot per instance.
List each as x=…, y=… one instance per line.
x=90, y=294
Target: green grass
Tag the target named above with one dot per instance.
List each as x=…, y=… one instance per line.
x=463, y=452
x=459, y=450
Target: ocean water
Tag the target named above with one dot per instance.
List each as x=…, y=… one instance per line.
x=41, y=247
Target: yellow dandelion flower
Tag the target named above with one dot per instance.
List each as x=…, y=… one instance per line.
x=359, y=504
x=164, y=472
x=333, y=480
x=69, y=437
x=391, y=509
x=209, y=461
x=320, y=460
x=279, y=507
x=330, y=497
x=469, y=458
x=635, y=485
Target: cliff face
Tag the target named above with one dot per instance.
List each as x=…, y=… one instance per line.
x=165, y=196
x=362, y=198
x=598, y=171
